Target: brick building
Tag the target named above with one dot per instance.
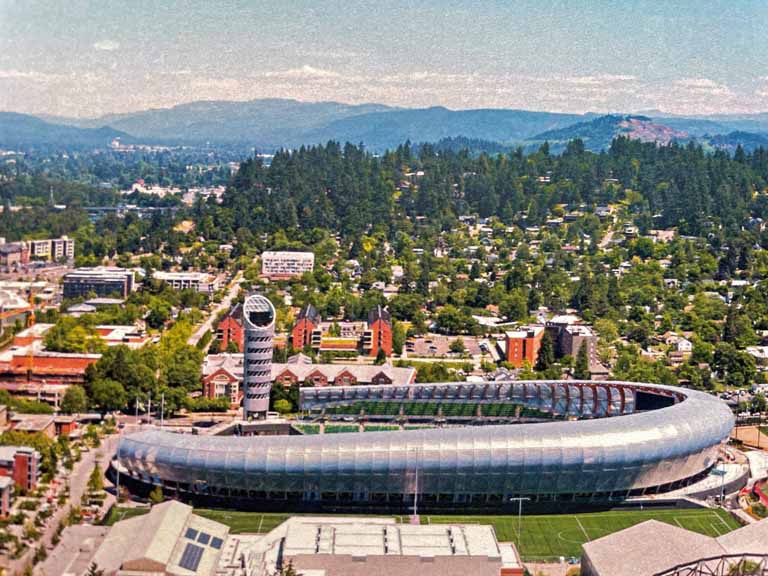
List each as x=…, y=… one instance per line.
x=379, y=333
x=307, y=321
x=523, y=345
x=223, y=375
x=22, y=464
x=332, y=336
x=230, y=329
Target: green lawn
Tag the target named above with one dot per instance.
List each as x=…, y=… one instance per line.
x=244, y=521
x=118, y=513
x=545, y=537
x=550, y=536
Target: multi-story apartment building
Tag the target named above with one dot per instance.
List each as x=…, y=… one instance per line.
x=569, y=334
x=523, y=345
x=102, y=281
x=230, y=329
x=198, y=281
x=22, y=464
x=52, y=248
x=331, y=336
x=286, y=264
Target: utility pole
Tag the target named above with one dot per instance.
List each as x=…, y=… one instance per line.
x=162, y=409
x=137, y=409
x=519, y=501
x=149, y=407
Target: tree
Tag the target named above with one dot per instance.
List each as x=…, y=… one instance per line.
x=759, y=403
x=457, y=346
x=156, y=495
x=74, y=401
x=381, y=357
x=108, y=395
x=398, y=337
x=546, y=356
x=283, y=406
x=95, y=480
x=581, y=368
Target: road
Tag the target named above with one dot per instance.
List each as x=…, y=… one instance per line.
x=226, y=302
x=606, y=240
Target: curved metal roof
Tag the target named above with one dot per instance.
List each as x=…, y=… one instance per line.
x=625, y=452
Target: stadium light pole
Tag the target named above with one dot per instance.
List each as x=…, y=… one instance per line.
x=519, y=501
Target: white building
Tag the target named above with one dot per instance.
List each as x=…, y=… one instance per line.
x=286, y=264
x=198, y=281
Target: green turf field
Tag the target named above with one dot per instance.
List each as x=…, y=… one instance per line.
x=117, y=513
x=551, y=536
x=545, y=537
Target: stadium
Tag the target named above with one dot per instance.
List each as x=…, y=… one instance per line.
x=582, y=441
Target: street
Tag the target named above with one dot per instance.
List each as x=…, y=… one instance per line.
x=226, y=302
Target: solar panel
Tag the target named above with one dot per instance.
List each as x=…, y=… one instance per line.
x=190, y=560
x=191, y=533
x=216, y=543
x=203, y=538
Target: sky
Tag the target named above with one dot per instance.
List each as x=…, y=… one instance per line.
x=89, y=58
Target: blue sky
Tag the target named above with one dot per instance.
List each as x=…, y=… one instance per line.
x=89, y=58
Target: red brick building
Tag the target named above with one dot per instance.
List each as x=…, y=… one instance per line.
x=307, y=321
x=230, y=329
x=324, y=336
x=22, y=464
x=379, y=333
x=523, y=345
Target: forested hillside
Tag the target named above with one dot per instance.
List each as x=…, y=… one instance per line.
x=350, y=191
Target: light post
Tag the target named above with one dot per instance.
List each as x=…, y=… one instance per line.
x=519, y=501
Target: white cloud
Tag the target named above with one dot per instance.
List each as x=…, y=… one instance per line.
x=31, y=75
x=106, y=45
x=303, y=73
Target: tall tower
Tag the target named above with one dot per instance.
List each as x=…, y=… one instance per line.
x=259, y=325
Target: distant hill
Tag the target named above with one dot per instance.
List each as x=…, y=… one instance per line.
x=598, y=134
x=274, y=123
x=22, y=130
x=747, y=140
x=380, y=130
x=268, y=123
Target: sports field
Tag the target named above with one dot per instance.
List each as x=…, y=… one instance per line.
x=544, y=537
x=551, y=536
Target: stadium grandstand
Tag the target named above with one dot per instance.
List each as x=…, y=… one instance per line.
x=582, y=442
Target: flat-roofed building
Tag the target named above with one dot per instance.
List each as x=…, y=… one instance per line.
x=523, y=345
x=21, y=464
x=198, y=281
x=284, y=264
x=102, y=281
x=52, y=248
x=347, y=546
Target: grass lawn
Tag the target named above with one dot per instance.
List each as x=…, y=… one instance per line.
x=118, y=513
x=764, y=430
x=545, y=537
x=551, y=536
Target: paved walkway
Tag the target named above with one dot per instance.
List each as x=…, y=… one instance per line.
x=77, y=480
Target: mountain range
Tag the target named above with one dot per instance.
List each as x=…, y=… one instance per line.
x=274, y=123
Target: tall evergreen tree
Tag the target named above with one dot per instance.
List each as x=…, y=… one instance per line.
x=581, y=368
x=546, y=357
